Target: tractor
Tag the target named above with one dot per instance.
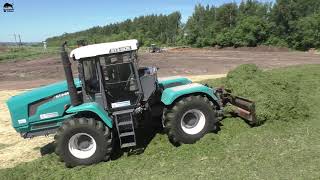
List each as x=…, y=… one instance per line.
x=154, y=49
x=110, y=98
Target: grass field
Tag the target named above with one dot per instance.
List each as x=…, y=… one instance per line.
x=285, y=146
x=25, y=53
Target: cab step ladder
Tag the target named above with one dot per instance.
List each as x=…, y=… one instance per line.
x=125, y=128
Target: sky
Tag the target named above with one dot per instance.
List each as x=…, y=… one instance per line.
x=37, y=20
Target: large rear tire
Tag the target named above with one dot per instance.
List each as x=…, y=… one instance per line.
x=189, y=119
x=83, y=141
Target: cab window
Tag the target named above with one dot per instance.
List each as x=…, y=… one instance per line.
x=91, y=78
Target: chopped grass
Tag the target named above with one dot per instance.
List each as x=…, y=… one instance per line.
x=286, y=148
x=26, y=53
x=2, y=146
x=279, y=94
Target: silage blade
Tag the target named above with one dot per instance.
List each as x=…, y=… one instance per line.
x=245, y=108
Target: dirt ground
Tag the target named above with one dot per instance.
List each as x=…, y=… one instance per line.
x=198, y=64
x=183, y=61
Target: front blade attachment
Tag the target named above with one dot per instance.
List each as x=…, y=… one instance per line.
x=244, y=108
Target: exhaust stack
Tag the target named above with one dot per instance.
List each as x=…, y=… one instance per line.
x=75, y=99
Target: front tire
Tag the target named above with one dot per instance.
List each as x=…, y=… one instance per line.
x=83, y=141
x=189, y=119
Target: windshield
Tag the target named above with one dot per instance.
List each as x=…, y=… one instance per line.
x=119, y=78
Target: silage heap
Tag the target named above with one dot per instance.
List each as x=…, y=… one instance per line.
x=278, y=95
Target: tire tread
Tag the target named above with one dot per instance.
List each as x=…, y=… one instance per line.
x=97, y=125
x=170, y=113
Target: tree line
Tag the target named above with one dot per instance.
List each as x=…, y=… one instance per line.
x=284, y=23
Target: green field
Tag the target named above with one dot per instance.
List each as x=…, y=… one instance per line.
x=285, y=146
x=26, y=53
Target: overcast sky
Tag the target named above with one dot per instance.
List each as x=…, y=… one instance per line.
x=37, y=20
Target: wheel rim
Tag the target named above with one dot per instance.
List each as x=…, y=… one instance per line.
x=82, y=145
x=193, y=121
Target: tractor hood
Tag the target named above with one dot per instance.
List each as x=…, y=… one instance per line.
x=18, y=105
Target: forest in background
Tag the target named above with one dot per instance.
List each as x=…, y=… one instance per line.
x=285, y=23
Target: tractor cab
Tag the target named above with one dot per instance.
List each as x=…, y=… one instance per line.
x=111, y=77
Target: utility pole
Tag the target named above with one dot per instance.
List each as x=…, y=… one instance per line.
x=20, y=41
x=15, y=38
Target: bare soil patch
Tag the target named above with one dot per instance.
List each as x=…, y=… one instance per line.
x=217, y=48
x=3, y=48
x=192, y=61
x=178, y=61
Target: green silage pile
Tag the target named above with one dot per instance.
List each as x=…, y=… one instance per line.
x=279, y=95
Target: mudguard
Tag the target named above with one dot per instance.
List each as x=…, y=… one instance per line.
x=169, y=95
x=167, y=82
x=95, y=108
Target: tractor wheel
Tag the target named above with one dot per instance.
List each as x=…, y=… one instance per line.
x=189, y=119
x=83, y=141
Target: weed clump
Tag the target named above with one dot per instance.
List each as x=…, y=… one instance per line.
x=277, y=95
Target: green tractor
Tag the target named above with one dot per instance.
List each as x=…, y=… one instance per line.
x=111, y=97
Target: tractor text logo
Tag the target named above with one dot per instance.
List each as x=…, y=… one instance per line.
x=7, y=7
